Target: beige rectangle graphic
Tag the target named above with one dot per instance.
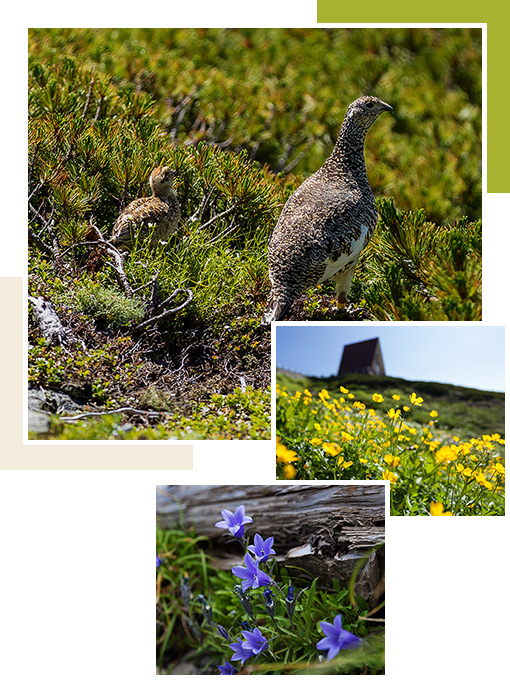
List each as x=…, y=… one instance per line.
x=18, y=454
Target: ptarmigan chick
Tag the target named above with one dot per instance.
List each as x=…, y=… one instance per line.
x=328, y=220
x=155, y=216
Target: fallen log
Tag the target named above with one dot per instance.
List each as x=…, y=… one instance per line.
x=323, y=529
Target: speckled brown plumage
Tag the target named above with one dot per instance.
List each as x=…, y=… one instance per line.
x=328, y=220
x=155, y=217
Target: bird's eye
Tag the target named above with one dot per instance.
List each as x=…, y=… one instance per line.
x=369, y=105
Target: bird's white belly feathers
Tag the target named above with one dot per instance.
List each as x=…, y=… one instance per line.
x=332, y=267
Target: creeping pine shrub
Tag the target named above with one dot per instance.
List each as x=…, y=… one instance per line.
x=257, y=621
x=107, y=305
x=430, y=472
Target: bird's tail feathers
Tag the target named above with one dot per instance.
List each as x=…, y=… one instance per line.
x=274, y=311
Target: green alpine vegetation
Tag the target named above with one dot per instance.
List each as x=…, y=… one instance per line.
x=394, y=436
x=243, y=116
x=465, y=411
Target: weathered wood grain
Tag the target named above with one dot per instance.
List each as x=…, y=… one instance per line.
x=324, y=529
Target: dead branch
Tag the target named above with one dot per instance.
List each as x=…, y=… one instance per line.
x=117, y=263
x=222, y=214
x=51, y=327
x=37, y=241
x=122, y=409
x=87, y=101
x=167, y=312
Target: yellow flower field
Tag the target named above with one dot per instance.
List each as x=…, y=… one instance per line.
x=431, y=472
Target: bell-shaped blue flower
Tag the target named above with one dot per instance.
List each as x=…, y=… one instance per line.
x=252, y=575
x=234, y=521
x=227, y=669
x=254, y=641
x=336, y=638
x=240, y=653
x=262, y=549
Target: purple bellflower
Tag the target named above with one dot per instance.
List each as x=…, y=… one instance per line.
x=206, y=609
x=252, y=576
x=227, y=669
x=240, y=654
x=234, y=521
x=244, y=600
x=254, y=641
x=336, y=638
x=270, y=603
x=223, y=632
x=290, y=602
x=262, y=549
x=158, y=561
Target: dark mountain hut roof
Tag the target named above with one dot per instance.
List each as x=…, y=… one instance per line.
x=358, y=355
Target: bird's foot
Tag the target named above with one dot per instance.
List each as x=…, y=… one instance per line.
x=341, y=301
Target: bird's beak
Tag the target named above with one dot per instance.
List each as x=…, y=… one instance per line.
x=387, y=107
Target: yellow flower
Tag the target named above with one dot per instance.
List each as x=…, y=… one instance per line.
x=317, y=426
x=350, y=395
x=307, y=393
x=391, y=460
x=393, y=415
x=467, y=472
x=332, y=449
x=316, y=441
x=437, y=509
x=445, y=455
x=283, y=455
x=343, y=390
x=480, y=478
x=395, y=396
x=392, y=476
x=363, y=460
x=348, y=437
x=360, y=405
x=406, y=408
x=416, y=401
x=324, y=395
x=289, y=471
x=347, y=464
x=433, y=414
x=377, y=397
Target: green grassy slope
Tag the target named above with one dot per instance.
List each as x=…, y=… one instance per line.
x=281, y=94
x=466, y=411
x=243, y=115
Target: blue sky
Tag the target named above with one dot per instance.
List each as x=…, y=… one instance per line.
x=471, y=356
